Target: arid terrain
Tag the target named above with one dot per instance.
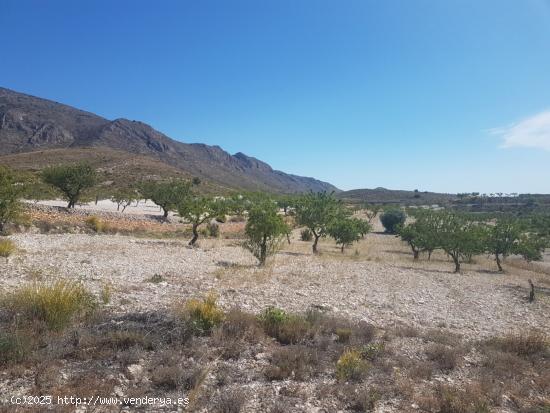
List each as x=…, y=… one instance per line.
x=431, y=327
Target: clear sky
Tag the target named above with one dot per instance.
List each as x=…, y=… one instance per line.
x=437, y=95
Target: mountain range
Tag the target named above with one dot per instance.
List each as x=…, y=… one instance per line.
x=35, y=132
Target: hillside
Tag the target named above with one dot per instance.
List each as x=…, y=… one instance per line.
x=29, y=124
x=393, y=196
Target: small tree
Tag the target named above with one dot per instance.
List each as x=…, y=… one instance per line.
x=71, y=180
x=346, y=231
x=392, y=219
x=421, y=235
x=166, y=194
x=9, y=198
x=198, y=210
x=123, y=197
x=371, y=211
x=459, y=237
x=265, y=230
x=316, y=211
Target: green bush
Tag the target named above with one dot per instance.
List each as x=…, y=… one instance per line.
x=71, y=180
x=392, y=219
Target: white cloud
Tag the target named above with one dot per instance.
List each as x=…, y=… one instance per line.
x=533, y=132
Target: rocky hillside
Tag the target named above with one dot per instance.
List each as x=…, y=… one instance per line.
x=30, y=124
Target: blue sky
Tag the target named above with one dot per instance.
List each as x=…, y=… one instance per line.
x=437, y=95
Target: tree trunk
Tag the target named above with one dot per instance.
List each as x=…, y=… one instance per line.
x=165, y=214
x=457, y=264
x=416, y=252
x=96, y=199
x=288, y=237
x=124, y=207
x=71, y=204
x=315, y=242
x=263, y=251
x=532, y=293
x=342, y=250
x=498, y=262
x=430, y=254
x=195, y=235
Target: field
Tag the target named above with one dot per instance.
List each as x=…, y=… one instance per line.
x=435, y=341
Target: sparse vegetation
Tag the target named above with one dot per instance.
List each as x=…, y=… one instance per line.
x=201, y=314
x=166, y=194
x=198, y=210
x=351, y=366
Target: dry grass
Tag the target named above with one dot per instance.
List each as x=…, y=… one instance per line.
x=57, y=304
x=296, y=361
x=351, y=366
x=7, y=248
x=202, y=315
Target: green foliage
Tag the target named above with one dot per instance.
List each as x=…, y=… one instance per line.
x=123, y=197
x=459, y=236
x=10, y=192
x=346, y=230
x=264, y=230
x=421, y=235
x=317, y=211
x=166, y=194
x=196, y=210
x=71, y=180
x=55, y=304
x=7, y=248
x=371, y=211
x=508, y=236
x=392, y=219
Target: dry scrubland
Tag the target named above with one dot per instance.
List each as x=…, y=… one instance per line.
x=369, y=330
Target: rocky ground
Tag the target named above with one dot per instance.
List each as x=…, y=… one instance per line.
x=375, y=281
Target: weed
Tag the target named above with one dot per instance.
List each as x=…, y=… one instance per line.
x=7, y=248
x=202, y=315
x=351, y=366
x=56, y=304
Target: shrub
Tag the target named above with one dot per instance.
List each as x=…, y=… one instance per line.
x=346, y=230
x=55, y=304
x=522, y=344
x=285, y=328
x=295, y=362
x=229, y=401
x=343, y=334
x=446, y=358
x=14, y=346
x=392, y=219
x=351, y=366
x=106, y=293
x=7, y=247
x=306, y=235
x=71, y=180
x=94, y=223
x=238, y=330
x=202, y=315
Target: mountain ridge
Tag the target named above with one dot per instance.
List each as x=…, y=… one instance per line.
x=30, y=124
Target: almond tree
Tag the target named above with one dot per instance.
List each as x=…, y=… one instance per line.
x=167, y=194
x=346, y=230
x=265, y=230
x=197, y=210
x=71, y=180
x=316, y=211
